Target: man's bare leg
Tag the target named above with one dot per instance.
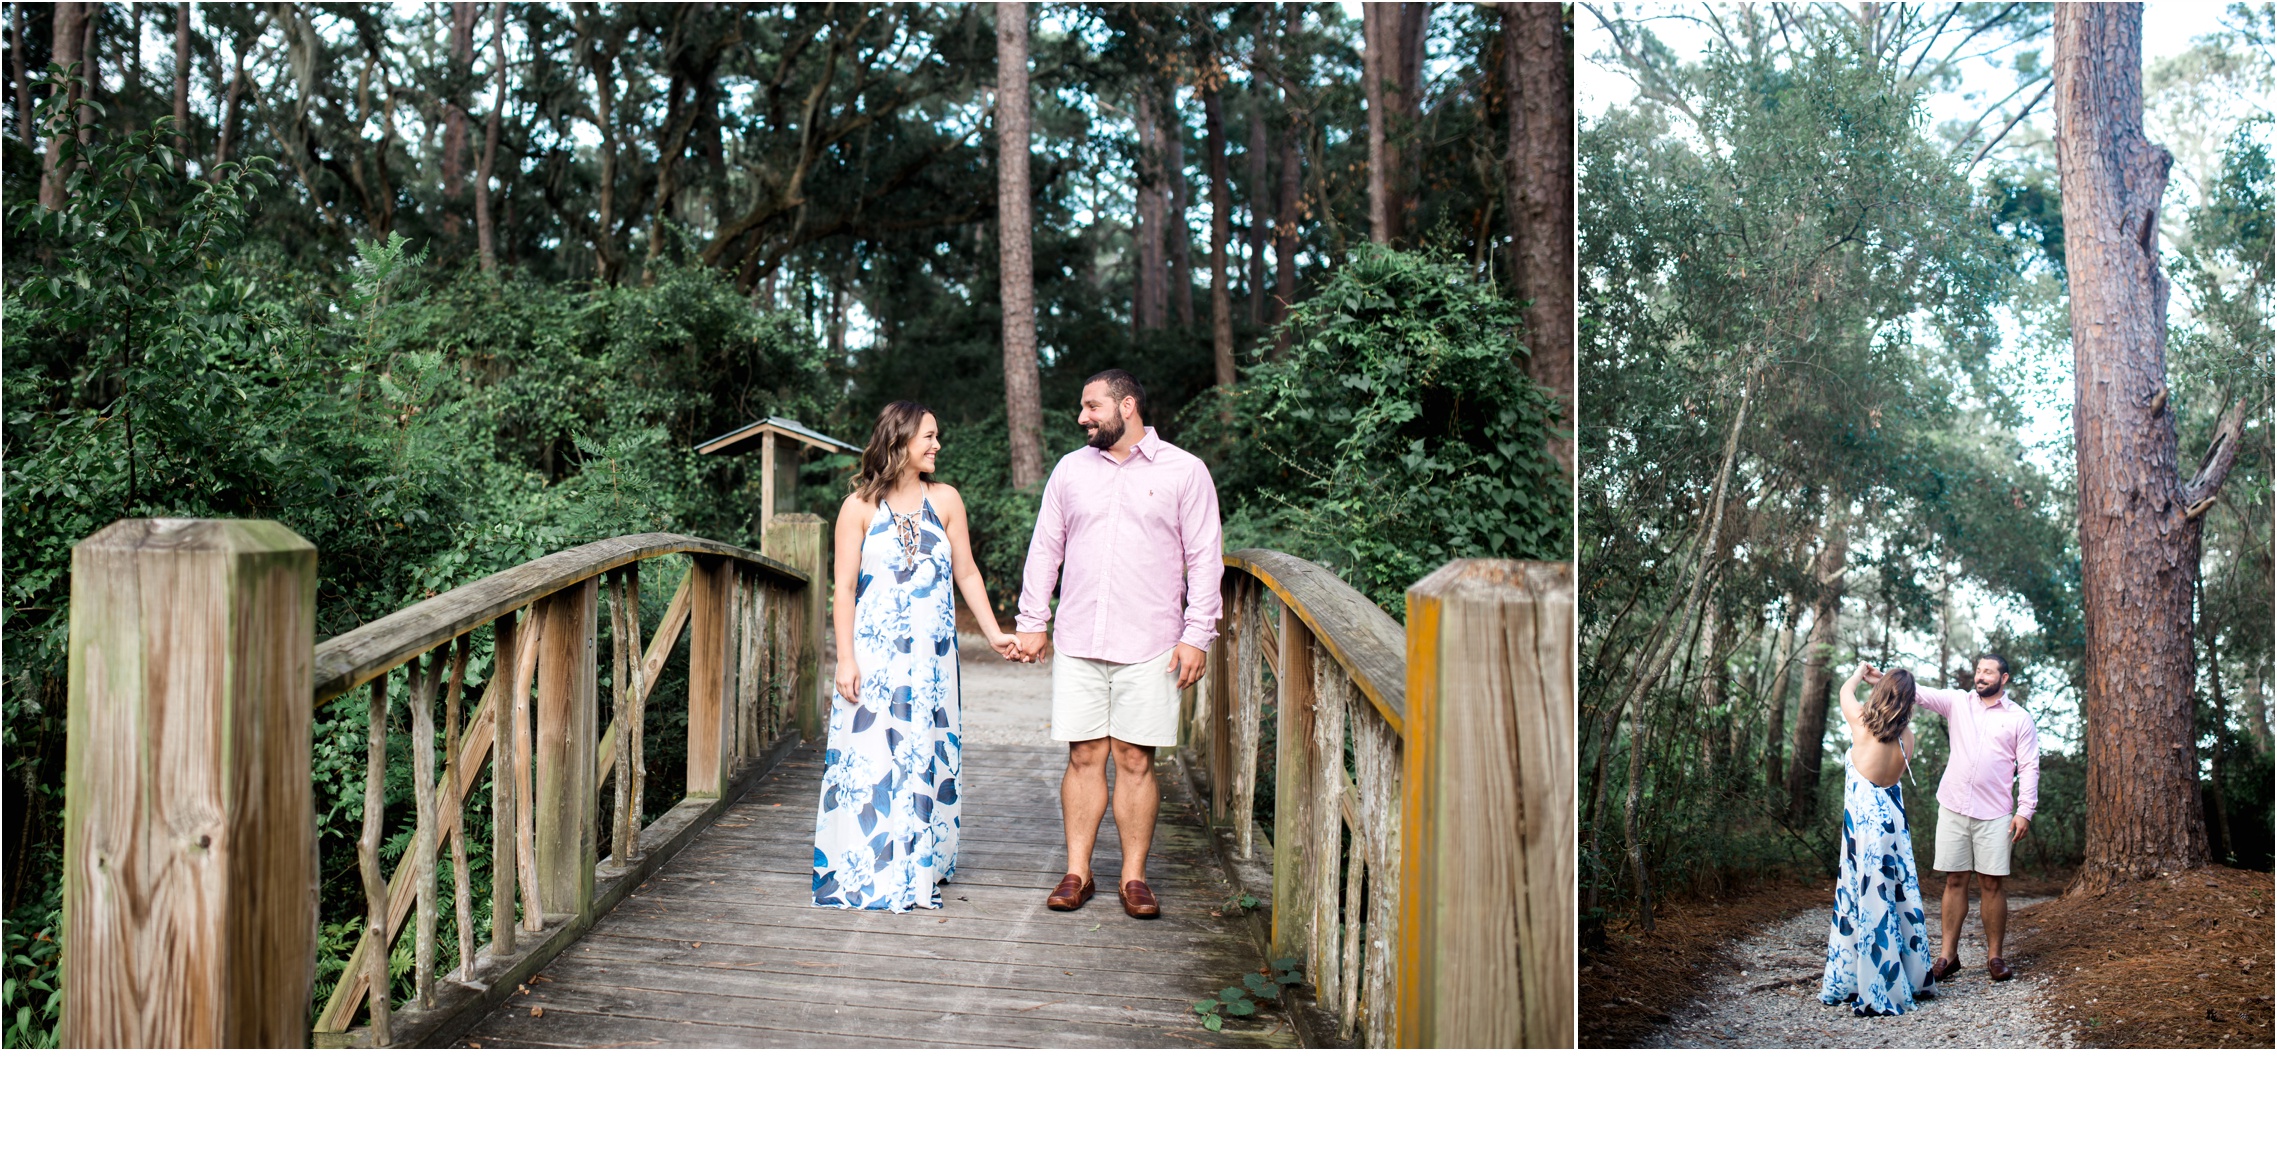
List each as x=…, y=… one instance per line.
x=1992, y=893
x=1083, y=801
x=1138, y=799
x=1954, y=914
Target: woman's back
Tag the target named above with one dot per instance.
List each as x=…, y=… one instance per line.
x=1881, y=763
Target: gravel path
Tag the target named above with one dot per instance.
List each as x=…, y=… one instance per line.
x=1764, y=993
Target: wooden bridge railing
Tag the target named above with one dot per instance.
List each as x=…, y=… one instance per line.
x=1422, y=836
x=190, y=889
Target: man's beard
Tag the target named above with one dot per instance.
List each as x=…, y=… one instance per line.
x=1104, y=434
x=1988, y=690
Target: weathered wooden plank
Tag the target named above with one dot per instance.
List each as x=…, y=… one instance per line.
x=524, y=746
x=505, y=678
x=711, y=672
x=1375, y=757
x=1217, y=681
x=1292, y=791
x=346, y=661
x=622, y=828
x=189, y=863
x=562, y=1029
x=1248, y=693
x=367, y=864
x=1332, y=693
x=567, y=822
x=1358, y=634
x=1486, y=950
x=425, y=670
x=462, y=884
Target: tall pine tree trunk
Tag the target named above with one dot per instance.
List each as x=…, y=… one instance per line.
x=1153, y=295
x=1259, y=198
x=1180, y=238
x=603, y=50
x=181, y=87
x=463, y=16
x=1538, y=168
x=69, y=39
x=485, y=235
x=1221, y=231
x=1775, y=729
x=1818, y=670
x=1023, y=395
x=2139, y=524
x=1286, y=215
x=20, y=71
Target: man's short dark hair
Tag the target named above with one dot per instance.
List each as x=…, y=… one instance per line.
x=1121, y=384
x=1995, y=657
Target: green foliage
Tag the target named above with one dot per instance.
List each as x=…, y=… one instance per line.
x=1403, y=417
x=1266, y=984
x=31, y=989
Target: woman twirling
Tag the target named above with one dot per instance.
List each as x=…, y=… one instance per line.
x=1877, y=948
x=885, y=836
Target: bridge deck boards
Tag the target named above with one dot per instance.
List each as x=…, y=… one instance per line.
x=722, y=948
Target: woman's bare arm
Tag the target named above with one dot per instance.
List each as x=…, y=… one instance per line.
x=845, y=572
x=966, y=573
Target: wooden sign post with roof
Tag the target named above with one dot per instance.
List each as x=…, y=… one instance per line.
x=773, y=482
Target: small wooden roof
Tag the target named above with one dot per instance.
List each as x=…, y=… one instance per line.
x=745, y=438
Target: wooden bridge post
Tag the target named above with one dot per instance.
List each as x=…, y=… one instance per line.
x=711, y=599
x=1216, y=671
x=565, y=792
x=189, y=907
x=1486, y=881
x=797, y=539
x=1292, y=790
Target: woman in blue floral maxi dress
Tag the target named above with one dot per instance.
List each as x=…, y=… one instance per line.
x=1877, y=945
x=885, y=834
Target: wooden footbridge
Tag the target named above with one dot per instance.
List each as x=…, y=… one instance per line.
x=1418, y=864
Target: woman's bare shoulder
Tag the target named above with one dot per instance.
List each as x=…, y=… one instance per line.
x=945, y=497
x=857, y=507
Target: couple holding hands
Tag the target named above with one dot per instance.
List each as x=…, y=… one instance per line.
x=1127, y=532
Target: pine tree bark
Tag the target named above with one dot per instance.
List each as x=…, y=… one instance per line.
x=1259, y=198
x=1179, y=237
x=485, y=236
x=463, y=15
x=1775, y=729
x=1286, y=216
x=1221, y=232
x=1818, y=671
x=22, y=74
x=1023, y=392
x=603, y=61
x=2139, y=523
x=1373, y=18
x=233, y=104
x=1538, y=167
x=181, y=87
x=68, y=41
x=1152, y=293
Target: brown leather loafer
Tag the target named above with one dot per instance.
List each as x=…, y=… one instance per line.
x=1944, y=968
x=1997, y=969
x=1073, y=891
x=1138, y=900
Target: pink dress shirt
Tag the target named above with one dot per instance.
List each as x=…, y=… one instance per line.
x=1993, y=747
x=1142, y=548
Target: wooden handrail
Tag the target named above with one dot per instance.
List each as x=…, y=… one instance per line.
x=351, y=659
x=1359, y=636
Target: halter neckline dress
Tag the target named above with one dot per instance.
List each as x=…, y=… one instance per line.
x=885, y=831
x=1877, y=945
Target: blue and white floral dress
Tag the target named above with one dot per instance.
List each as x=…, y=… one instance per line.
x=886, y=834
x=1877, y=948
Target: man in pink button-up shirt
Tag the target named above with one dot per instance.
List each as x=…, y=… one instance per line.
x=1128, y=530
x=1995, y=747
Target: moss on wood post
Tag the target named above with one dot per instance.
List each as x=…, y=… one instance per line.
x=796, y=539
x=564, y=795
x=189, y=827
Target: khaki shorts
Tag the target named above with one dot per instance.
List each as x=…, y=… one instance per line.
x=1966, y=844
x=1133, y=702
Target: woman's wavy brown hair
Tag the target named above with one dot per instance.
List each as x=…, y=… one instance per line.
x=1890, y=708
x=888, y=450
